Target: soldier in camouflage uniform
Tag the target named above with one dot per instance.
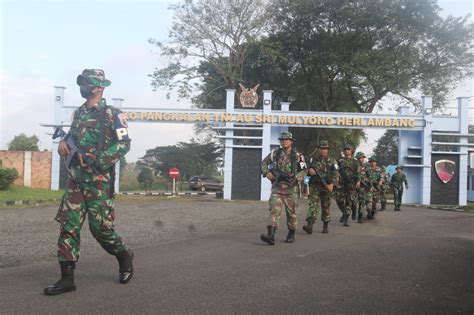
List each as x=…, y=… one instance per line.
x=384, y=189
x=374, y=176
x=349, y=177
x=285, y=168
x=362, y=186
x=323, y=172
x=101, y=132
x=396, y=183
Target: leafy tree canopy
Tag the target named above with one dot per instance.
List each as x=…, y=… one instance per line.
x=23, y=143
x=321, y=55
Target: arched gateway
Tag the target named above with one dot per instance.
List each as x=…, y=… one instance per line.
x=242, y=180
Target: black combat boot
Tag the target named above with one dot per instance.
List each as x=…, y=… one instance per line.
x=270, y=237
x=383, y=204
x=308, y=228
x=346, y=218
x=66, y=283
x=325, y=227
x=290, y=238
x=359, y=218
x=125, y=260
x=342, y=218
x=369, y=215
x=353, y=215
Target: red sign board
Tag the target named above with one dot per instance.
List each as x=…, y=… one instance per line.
x=173, y=172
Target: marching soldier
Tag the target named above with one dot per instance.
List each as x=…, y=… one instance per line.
x=100, y=131
x=384, y=189
x=397, y=186
x=323, y=172
x=362, y=186
x=374, y=175
x=285, y=168
x=347, y=198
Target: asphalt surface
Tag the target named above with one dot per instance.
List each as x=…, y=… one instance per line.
x=198, y=255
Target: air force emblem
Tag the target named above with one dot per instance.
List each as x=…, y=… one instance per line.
x=248, y=97
x=445, y=170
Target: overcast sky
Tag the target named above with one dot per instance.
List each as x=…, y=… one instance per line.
x=48, y=43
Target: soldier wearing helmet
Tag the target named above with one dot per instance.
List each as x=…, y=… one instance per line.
x=349, y=176
x=100, y=132
x=285, y=168
x=374, y=175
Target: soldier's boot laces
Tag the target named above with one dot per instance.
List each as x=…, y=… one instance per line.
x=270, y=237
x=325, y=227
x=353, y=215
x=125, y=260
x=359, y=218
x=384, y=204
x=66, y=283
x=346, y=218
x=308, y=228
x=290, y=238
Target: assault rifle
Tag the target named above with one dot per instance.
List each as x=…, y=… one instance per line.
x=318, y=178
x=282, y=176
x=72, y=159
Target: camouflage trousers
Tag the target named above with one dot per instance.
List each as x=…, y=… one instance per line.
x=347, y=200
x=318, y=199
x=375, y=199
x=89, y=199
x=365, y=201
x=397, y=196
x=278, y=202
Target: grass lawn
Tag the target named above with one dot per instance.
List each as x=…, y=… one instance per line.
x=25, y=193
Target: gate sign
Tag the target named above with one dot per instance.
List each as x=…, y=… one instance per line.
x=445, y=170
x=173, y=172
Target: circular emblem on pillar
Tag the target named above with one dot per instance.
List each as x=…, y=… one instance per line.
x=248, y=97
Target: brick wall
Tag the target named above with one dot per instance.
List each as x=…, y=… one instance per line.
x=40, y=167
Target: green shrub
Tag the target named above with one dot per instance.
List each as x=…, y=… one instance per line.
x=7, y=177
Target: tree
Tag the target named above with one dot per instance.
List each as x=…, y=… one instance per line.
x=146, y=178
x=332, y=56
x=386, y=150
x=23, y=143
x=190, y=158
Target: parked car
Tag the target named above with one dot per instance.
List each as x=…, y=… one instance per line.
x=204, y=183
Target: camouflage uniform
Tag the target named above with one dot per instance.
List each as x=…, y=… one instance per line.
x=284, y=193
x=100, y=131
x=347, y=198
x=384, y=189
x=396, y=182
x=363, y=189
x=88, y=192
x=319, y=197
x=374, y=176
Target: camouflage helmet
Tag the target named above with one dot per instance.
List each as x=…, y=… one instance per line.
x=348, y=146
x=399, y=167
x=286, y=135
x=323, y=144
x=373, y=158
x=94, y=77
x=359, y=155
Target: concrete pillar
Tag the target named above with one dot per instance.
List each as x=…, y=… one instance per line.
x=427, y=105
x=117, y=102
x=266, y=186
x=55, y=158
x=463, y=114
x=230, y=105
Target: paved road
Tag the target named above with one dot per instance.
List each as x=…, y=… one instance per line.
x=206, y=257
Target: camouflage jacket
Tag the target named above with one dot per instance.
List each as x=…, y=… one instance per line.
x=292, y=163
x=326, y=168
x=85, y=130
x=397, y=181
x=374, y=178
x=349, y=172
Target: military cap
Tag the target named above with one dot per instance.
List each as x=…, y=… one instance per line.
x=348, y=146
x=399, y=167
x=359, y=155
x=373, y=158
x=94, y=77
x=324, y=144
x=286, y=135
